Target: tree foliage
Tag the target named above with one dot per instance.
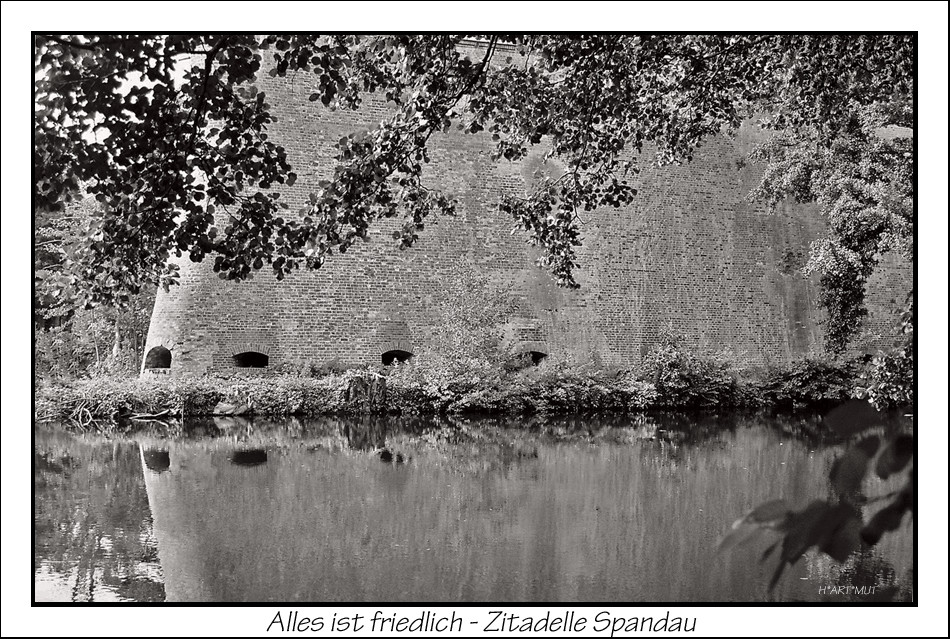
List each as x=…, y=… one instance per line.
x=471, y=316
x=104, y=340
x=889, y=384
x=863, y=184
x=75, y=339
x=165, y=131
x=684, y=381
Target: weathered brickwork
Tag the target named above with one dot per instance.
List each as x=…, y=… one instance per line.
x=691, y=253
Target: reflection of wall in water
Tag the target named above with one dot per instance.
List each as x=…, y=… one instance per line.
x=576, y=523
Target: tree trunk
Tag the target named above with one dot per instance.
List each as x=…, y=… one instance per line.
x=117, y=345
x=366, y=394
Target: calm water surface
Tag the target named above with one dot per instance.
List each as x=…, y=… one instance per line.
x=619, y=508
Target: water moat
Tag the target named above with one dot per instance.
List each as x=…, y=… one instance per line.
x=609, y=508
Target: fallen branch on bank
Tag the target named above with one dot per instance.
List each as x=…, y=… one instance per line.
x=152, y=417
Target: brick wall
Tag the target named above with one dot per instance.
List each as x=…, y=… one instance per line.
x=690, y=253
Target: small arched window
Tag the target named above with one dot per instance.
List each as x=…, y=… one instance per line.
x=158, y=357
x=251, y=359
x=536, y=357
x=391, y=357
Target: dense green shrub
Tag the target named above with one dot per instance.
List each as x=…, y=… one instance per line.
x=429, y=384
x=496, y=397
x=475, y=385
x=288, y=395
x=469, y=368
x=683, y=380
x=331, y=367
x=889, y=381
x=563, y=389
x=809, y=383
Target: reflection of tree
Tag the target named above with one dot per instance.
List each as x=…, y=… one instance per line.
x=93, y=525
x=478, y=436
x=807, y=428
x=365, y=433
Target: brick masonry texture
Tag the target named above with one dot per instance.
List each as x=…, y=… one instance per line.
x=691, y=253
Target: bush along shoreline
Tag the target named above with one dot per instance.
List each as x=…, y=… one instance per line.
x=670, y=380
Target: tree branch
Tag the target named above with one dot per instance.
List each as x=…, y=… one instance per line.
x=71, y=43
x=202, y=100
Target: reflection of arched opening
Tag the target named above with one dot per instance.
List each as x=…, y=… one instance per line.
x=158, y=357
x=251, y=457
x=536, y=357
x=390, y=357
x=251, y=359
x=156, y=460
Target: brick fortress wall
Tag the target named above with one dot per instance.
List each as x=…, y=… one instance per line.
x=690, y=253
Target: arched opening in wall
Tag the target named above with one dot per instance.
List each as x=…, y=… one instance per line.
x=536, y=357
x=394, y=356
x=251, y=359
x=525, y=354
x=158, y=357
